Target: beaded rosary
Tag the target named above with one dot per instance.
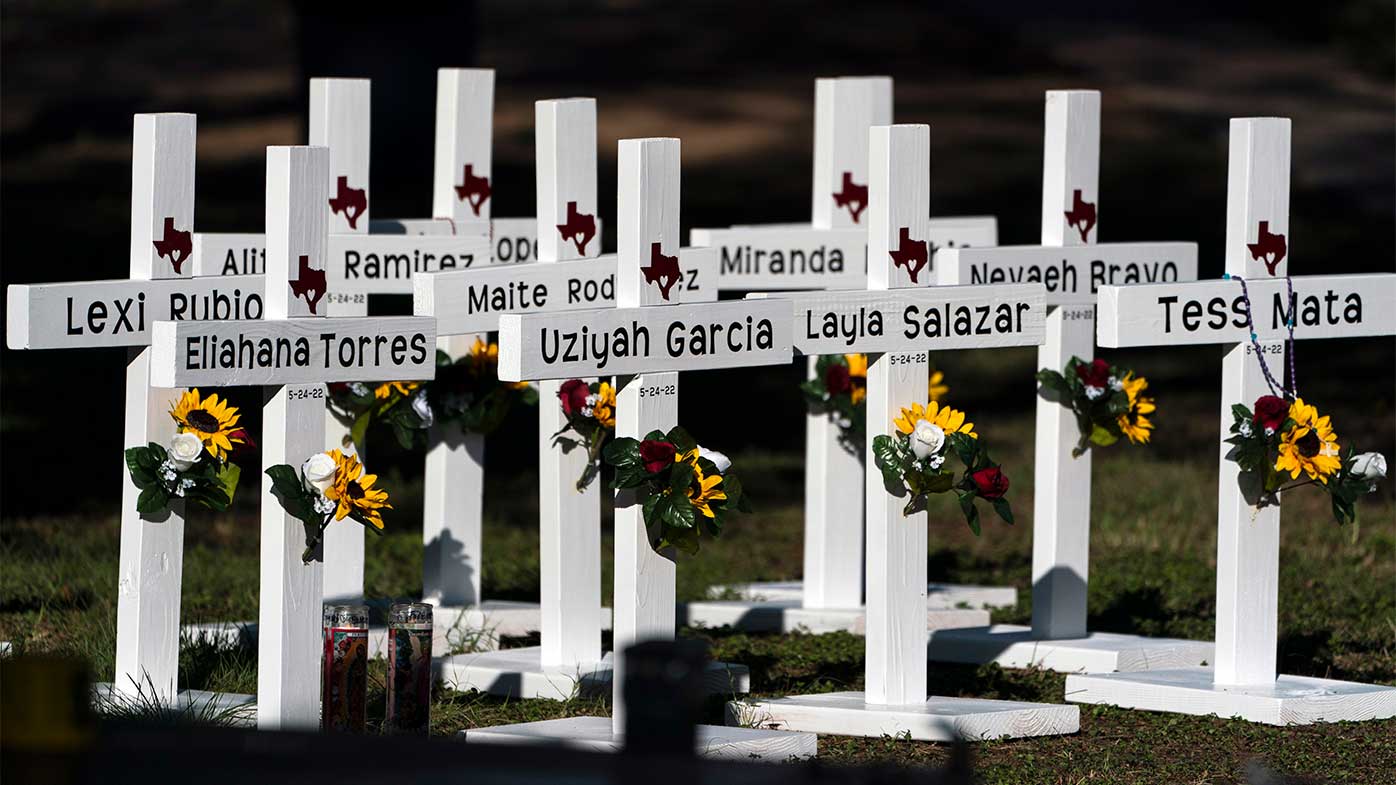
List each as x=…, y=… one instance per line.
x=1276, y=388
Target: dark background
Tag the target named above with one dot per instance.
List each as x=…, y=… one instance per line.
x=734, y=80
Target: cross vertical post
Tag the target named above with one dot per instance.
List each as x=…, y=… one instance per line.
x=152, y=547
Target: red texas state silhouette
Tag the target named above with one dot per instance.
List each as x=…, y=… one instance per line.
x=910, y=254
x=350, y=201
x=663, y=271
x=175, y=245
x=474, y=190
x=1081, y=215
x=852, y=194
x=307, y=281
x=1268, y=248
x=580, y=228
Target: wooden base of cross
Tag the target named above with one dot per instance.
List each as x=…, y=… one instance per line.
x=939, y=596
x=594, y=734
x=520, y=673
x=936, y=719
x=790, y=615
x=1288, y=700
x=1014, y=646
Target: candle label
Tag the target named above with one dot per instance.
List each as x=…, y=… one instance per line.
x=345, y=673
x=409, y=679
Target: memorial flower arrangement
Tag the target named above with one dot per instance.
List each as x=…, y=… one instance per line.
x=591, y=422
x=1282, y=439
x=330, y=486
x=839, y=388
x=916, y=460
x=465, y=391
x=683, y=489
x=194, y=466
x=1108, y=401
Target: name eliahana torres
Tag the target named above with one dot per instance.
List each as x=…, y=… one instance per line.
x=210, y=352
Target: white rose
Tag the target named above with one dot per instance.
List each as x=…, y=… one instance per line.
x=722, y=462
x=319, y=471
x=927, y=439
x=185, y=449
x=1369, y=466
x=422, y=407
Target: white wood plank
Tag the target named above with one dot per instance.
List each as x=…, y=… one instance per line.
x=343, y=546
x=512, y=239
x=936, y=719
x=933, y=318
x=288, y=641
x=385, y=264
x=462, y=183
x=898, y=254
x=786, y=616
x=1073, y=274
x=1289, y=700
x=151, y=562
x=594, y=734
x=296, y=232
x=91, y=314
x=471, y=301
x=1070, y=163
x=1248, y=537
x=734, y=333
x=229, y=253
x=647, y=218
x=760, y=259
x=293, y=351
x=1015, y=646
x=1330, y=306
x=566, y=180
x=340, y=119
x=644, y=580
x=452, y=516
x=833, y=555
x=162, y=195
x=844, y=109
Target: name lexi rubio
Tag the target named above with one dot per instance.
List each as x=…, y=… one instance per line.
x=681, y=339
x=325, y=351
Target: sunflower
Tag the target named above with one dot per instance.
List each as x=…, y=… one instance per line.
x=385, y=391
x=212, y=420
x=604, y=409
x=354, y=491
x=1134, y=423
x=1310, y=446
x=484, y=358
x=857, y=376
x=948, y=419
x=936, y=388
x=704, y=489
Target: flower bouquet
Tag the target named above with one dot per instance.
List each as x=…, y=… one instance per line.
x=330, y=486
x=404, y=406
x=913, y=461
x=1282, y=439
x=839, y=388
x=591, y=420
x=1108, y=401
x=468, y=391
x=195, y=465
x=683, y=489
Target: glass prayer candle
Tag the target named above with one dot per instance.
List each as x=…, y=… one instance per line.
x=409, y=669
x=344, y=668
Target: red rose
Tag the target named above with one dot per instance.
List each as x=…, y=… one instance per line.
x=836, y=379
x=990, y=482
x=1270, y=412
x=657, y=455
x=573, y=395
x=339, y=388
x=1095, y=374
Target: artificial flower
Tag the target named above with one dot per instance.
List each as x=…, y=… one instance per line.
x=385, y=391
x=1369, y=466
x=704, y=490
x=721, y=461
x=837, y=380
x=990, y=482
x=858, y=376
x=354, y=491
x=212, y=420
x=949, y=420
x=319, y=470
x=936, y=388
x=1270, y=412
x=184, y=451
x=1095, y=374
x=573, y=395
x=927, y=439
x=603, y=409
x=1310, y=447
x=656, y=455
x=1134, y=423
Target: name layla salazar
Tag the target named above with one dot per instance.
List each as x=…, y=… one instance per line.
x=680, y=340
x=943, y=321
x=212, y=352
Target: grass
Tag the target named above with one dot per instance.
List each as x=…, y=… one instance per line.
x=1152, y=572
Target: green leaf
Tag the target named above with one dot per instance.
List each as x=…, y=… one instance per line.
x=966, y=448
x=358, y=432
x=1054, y=382
x=1240, y=412
x=622, y=452
x=1117, y=403
x=681, y=440
x=680, y=477
x=227, y=477
x=152, y=500
x=1003, y=509
x=970, y=511
x=885, y=454
x=938, y=483
x=648, y=506
x=1102, y=437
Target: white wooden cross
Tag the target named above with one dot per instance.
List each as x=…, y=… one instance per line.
x=898, y=320
x=569, y=520
x=831, y=253
x=1243, y=682
x=652, y=334
x=292, y=353
x=94, y=314
x=1073, y=266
